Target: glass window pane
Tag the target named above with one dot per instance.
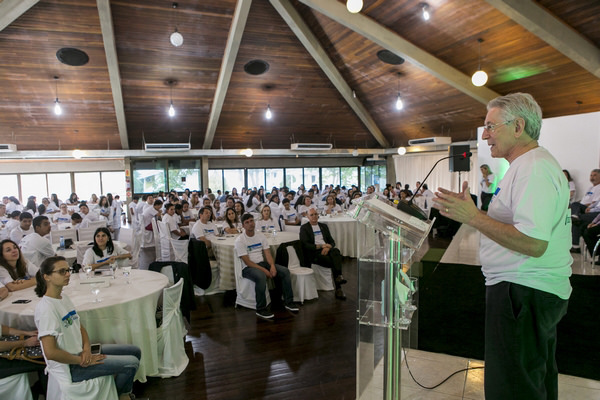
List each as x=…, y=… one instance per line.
x=293, y=178
x=60, y=184
x=9, y=185
x=256, y=177
x=33, y=185
x=372, y=175
x=330, y=176
x=114, y=182
x=149, y=176
x=274, y=178
x=349, y=176
x=184, y=174
x=233, y=178
x=311, y=177
x=215, y=180
x=87, y=183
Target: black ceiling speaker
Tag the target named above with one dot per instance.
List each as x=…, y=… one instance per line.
x=389, y=58
x=72, y=57
x=256, y=67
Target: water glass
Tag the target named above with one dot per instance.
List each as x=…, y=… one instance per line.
x=87, y=268
x=127, y=273
x=96, y=292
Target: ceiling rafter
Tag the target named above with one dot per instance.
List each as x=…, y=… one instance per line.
x=10, y=10
x=308, y=39
x=553, y=31
x=110, y=49
x=238, y=24
x=393, y=42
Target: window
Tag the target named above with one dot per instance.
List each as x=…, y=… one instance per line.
x=311, y=177
x=348, y=176
x=33, y=185
x=233, y=178
x=293, y=178
x=114, y=182
x=274, y=178
x=60, y=184
x=256, y=177
x=87, y=183
x=184, y=174
x=372, y=175
x=215, y=179
x=149, y=176
x=330, y=176
x=9, y=185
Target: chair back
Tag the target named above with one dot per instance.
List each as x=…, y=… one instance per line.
x=165, y=241
x=66, y=233
x=172, y=359
x=97, y=224
x=135, y=248
x=156, y=237
x=86, y=234
x=293, y=260
x=245, y=292
x=180, y=250
x=81, y=249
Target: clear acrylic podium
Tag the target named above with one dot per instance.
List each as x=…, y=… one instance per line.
x=384, y=309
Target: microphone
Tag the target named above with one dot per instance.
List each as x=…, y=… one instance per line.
x=415, y=210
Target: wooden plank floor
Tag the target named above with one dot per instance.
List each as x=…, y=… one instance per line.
x=234, y=355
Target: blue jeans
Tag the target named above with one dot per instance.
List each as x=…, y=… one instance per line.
x=282, y=280
x=122, y=361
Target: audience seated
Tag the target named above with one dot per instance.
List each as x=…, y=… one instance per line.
x=23, y=229
x=104, y=252
x=16, y=272
x=35, y=245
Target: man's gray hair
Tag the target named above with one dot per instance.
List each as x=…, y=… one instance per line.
x=520, y=105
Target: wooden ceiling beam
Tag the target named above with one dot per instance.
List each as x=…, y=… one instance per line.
x=393, y=42
x=110, y=49
x=553, y=31
x=10, y=10
x=294, y=20
x=238, y=24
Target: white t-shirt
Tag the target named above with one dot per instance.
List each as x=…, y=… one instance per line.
x=252, y=208
x=4, y=219
x=147, y=216
x=318, y=234
x=484, y=188
x=304, y=209
x=208, y=230
x=133, y=207
x=252, y=247
x=5, y=277
x=89, y=217
x=11, y=225
x=92, y=258
x=36, y=248
x=573, y=189
x=187, y=215
x=61, y=218
x=172, y=225
x=269, y=225
x=533, y=196
x=591, y=196
x=58, y=318
x=289, y=215
x=335, y=209
x=17, y=234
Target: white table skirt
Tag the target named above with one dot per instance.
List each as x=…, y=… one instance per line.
x=223, y=248
x=126, y=314
x=345, y=232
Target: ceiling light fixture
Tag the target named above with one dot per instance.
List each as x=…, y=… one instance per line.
x=425, y=8
x=401, y=151
x=399, y=103
x=171, y=108
x=176, y=37
x=479, y=78
x=78, y=154
x=354, y=6
x=268, y=114
x=355, y=152
x=248, y=152
x=57, y=107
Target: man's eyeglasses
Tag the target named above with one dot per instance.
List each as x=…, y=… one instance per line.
x=493, y=127
x=63, y=271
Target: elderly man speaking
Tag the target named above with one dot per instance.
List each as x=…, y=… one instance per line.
x=524, y=253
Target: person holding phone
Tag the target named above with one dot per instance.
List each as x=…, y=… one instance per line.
x=65, y=341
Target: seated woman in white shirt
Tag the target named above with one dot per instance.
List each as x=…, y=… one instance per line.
x=93, y=200
x=218, y=213
x=104, y=208
x=186, y=214
x=50, y=207
x=73, y=200
x=266, y=223
x=63, y=216
x=307, y=205
x=105, y=252
x=16, y=273
x=331, y=207
x=252, y=202
x=232, y=221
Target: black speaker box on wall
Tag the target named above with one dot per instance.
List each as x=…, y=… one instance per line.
x=459, y=164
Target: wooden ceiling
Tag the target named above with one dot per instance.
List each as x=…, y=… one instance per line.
x=310, y=101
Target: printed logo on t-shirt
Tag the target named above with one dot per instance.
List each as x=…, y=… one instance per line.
x=68, y=319
x=209, y=231
x=254, y=247
x=292, y=216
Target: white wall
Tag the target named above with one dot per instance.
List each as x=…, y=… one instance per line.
x=573, y=140
x=38, y=166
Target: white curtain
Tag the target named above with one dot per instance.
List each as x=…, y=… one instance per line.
x=411, y=168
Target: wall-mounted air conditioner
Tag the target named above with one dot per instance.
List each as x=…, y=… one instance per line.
x=311, y=146
x=430, y=141
x=167, y=146
x=5, y=148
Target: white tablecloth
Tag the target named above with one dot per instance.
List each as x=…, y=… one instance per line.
x=344, y=231
x=126, y=314
x=223, y=248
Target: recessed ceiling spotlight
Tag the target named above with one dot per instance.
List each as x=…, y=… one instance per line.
x=354, y=6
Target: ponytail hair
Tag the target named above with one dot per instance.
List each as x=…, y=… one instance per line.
x=46, y=268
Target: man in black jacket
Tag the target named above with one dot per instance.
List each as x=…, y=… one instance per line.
x=319, y=248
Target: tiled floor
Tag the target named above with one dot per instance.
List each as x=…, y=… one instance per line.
x=429, y=369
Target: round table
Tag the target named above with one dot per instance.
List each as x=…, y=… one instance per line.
x=223, y=248
x=345, y=231
x=126, y=314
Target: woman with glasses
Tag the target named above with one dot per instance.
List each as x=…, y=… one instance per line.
x=486, y=186
x=65, y=341
x=63, y=216
x=16, y=273
x=105, y=252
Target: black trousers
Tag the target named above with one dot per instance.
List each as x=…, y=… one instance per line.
x=590, y=235
x=485, y=200
x=520, y=342
x=332, y=260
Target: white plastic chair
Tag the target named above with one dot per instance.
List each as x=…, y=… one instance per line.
x=86, y=234
x=246, y=296
x=97, y=224
x=303, y=279
x=165, y=242
x=323, y=277
x=135, y=249
x=15, y=387
x=172, y=359
x=180, y=250
x=66, y=233
x=81, y=249
x=156, y=237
